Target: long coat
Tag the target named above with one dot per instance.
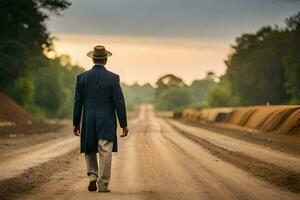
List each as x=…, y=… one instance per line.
x=98, y=94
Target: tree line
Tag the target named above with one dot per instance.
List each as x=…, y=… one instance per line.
x=263, y=68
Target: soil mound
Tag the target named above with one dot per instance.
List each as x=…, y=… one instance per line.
x=283, y=119
x=12, y=114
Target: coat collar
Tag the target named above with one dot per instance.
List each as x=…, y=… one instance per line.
x=99, y=66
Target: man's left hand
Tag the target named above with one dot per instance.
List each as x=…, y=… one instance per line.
x=76, y=130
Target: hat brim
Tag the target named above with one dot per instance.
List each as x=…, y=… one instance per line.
x=91, y=55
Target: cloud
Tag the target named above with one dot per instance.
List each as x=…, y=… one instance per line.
x=172, y=18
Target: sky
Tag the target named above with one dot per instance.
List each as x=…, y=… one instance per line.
x=149, y=39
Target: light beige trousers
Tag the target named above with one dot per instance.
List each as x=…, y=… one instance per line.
x=103, y=170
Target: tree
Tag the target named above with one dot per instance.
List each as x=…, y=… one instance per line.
x=22, y=90
x=168, y=81
x=55, y=88
x=291, y=60
x=136, y=94
x=24, y=36
x=222, y=95
x=255, y=68
x=293, y=23
x=174, y=98
x=172, y=93
x=200, y=89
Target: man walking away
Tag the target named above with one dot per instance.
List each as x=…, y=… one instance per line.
x=98, y=98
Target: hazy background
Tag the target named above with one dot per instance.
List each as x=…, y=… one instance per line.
x=152, y=38
x=170, y=53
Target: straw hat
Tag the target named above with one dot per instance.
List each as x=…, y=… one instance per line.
x=99, y=52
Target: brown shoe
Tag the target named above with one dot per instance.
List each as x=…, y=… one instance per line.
x=103, y=190
x=92, y=186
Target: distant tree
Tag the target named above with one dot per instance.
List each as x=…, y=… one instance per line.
x=291, y=60
x=174, y=98
x=255, y=69
x=292, y=77
x=222, y=95
x=172, y=93
x=136, y=94
x=168, y=81
x=200, y=88
x=293, y=23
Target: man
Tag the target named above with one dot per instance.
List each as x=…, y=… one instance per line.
x=99, y=95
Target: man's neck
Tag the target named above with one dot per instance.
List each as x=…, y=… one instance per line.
x=99, y=64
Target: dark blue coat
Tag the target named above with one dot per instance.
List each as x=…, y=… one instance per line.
x=98, y=94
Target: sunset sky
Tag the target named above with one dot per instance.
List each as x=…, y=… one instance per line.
x=151, y=38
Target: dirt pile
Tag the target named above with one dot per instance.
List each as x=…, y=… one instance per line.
x=15, y=122
x=283, y=119
x=11, y=113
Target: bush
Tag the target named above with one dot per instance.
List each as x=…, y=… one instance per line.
x=21, y=90
x=222, y=95
x=174, y=98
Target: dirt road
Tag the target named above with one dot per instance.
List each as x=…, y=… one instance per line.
x=157, y=162
x=263, y=153
x=18, y=162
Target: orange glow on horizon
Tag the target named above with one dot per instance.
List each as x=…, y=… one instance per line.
x=142, y=60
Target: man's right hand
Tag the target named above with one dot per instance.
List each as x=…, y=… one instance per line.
x=125, y=132
x=76, y=130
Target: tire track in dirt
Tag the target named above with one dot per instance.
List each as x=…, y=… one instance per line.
x=271, y=173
